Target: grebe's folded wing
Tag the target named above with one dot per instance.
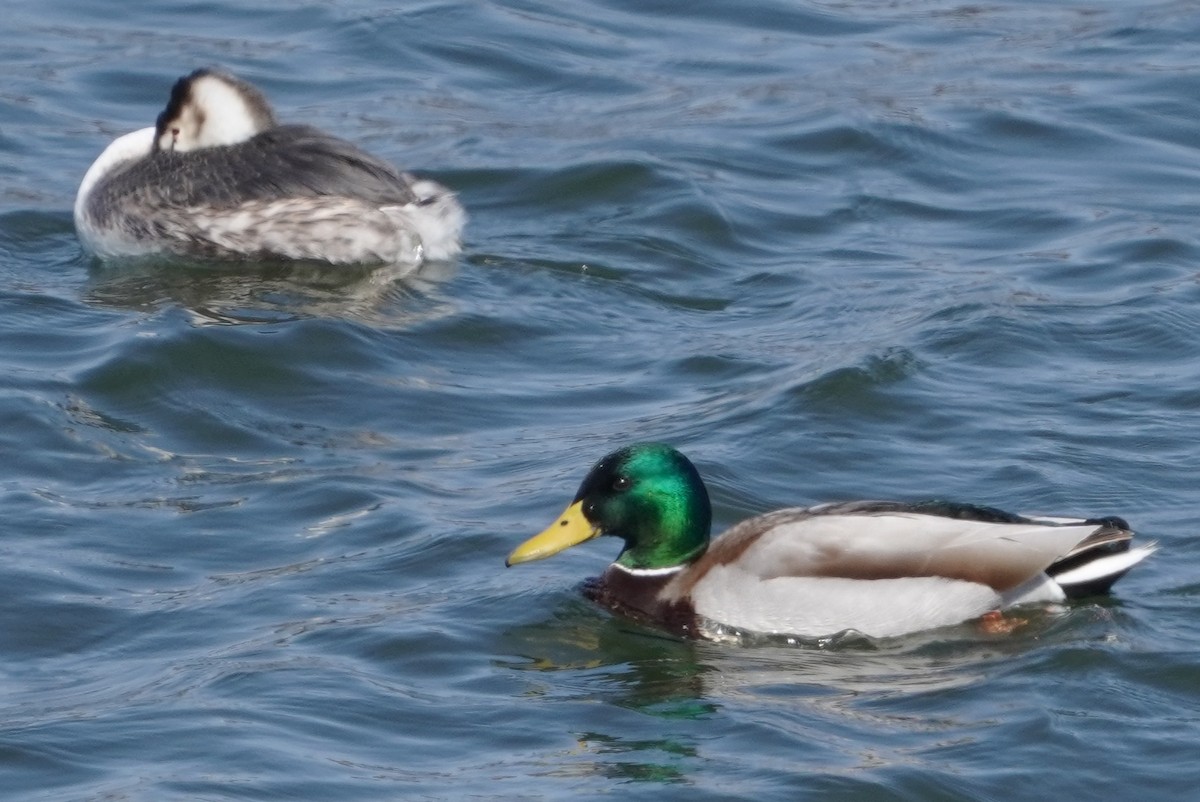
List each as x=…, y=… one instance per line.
x=286, y=162
x=301, y=161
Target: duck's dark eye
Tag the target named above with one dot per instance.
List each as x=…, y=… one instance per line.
x=622, y=483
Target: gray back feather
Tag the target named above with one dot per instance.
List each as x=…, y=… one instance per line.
x=288, y=161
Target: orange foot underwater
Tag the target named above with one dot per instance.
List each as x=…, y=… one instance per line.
x=997, y=623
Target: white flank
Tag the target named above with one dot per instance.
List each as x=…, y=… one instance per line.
x=1039, y=589
x=820, y=606
x=130, y=147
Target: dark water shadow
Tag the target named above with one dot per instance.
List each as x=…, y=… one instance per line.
x=651, y=672
x=233, y=293
x=582, y=656
x=642, y=707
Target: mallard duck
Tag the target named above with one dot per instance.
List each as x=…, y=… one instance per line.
x=218, y=177
x=879, y=568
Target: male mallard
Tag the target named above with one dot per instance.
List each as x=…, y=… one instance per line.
x=877, y=567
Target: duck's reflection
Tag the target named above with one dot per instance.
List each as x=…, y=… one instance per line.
x=628, y=677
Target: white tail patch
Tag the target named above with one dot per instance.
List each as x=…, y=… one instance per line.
x=1106, y=566
x=436, y=217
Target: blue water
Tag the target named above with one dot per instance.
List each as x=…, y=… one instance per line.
x=255, y=520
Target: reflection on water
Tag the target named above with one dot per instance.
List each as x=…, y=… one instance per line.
x=646, y=670
x=616, y=664
x=789, y=690
x=632, y=759
x=658, y=667
x=240, y=293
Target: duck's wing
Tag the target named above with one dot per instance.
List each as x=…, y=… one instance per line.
x=886, y=540
x=1091, y=566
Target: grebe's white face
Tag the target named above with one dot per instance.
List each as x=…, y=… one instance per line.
x=213, y=113
x=183, y=132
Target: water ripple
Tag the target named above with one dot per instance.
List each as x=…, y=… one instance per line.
x=255, y=518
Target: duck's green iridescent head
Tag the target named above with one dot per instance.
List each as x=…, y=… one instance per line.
x=649, y=495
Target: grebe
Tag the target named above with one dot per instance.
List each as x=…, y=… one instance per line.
x=219, y=178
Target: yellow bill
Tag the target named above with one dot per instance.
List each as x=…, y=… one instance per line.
x=571, y=529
